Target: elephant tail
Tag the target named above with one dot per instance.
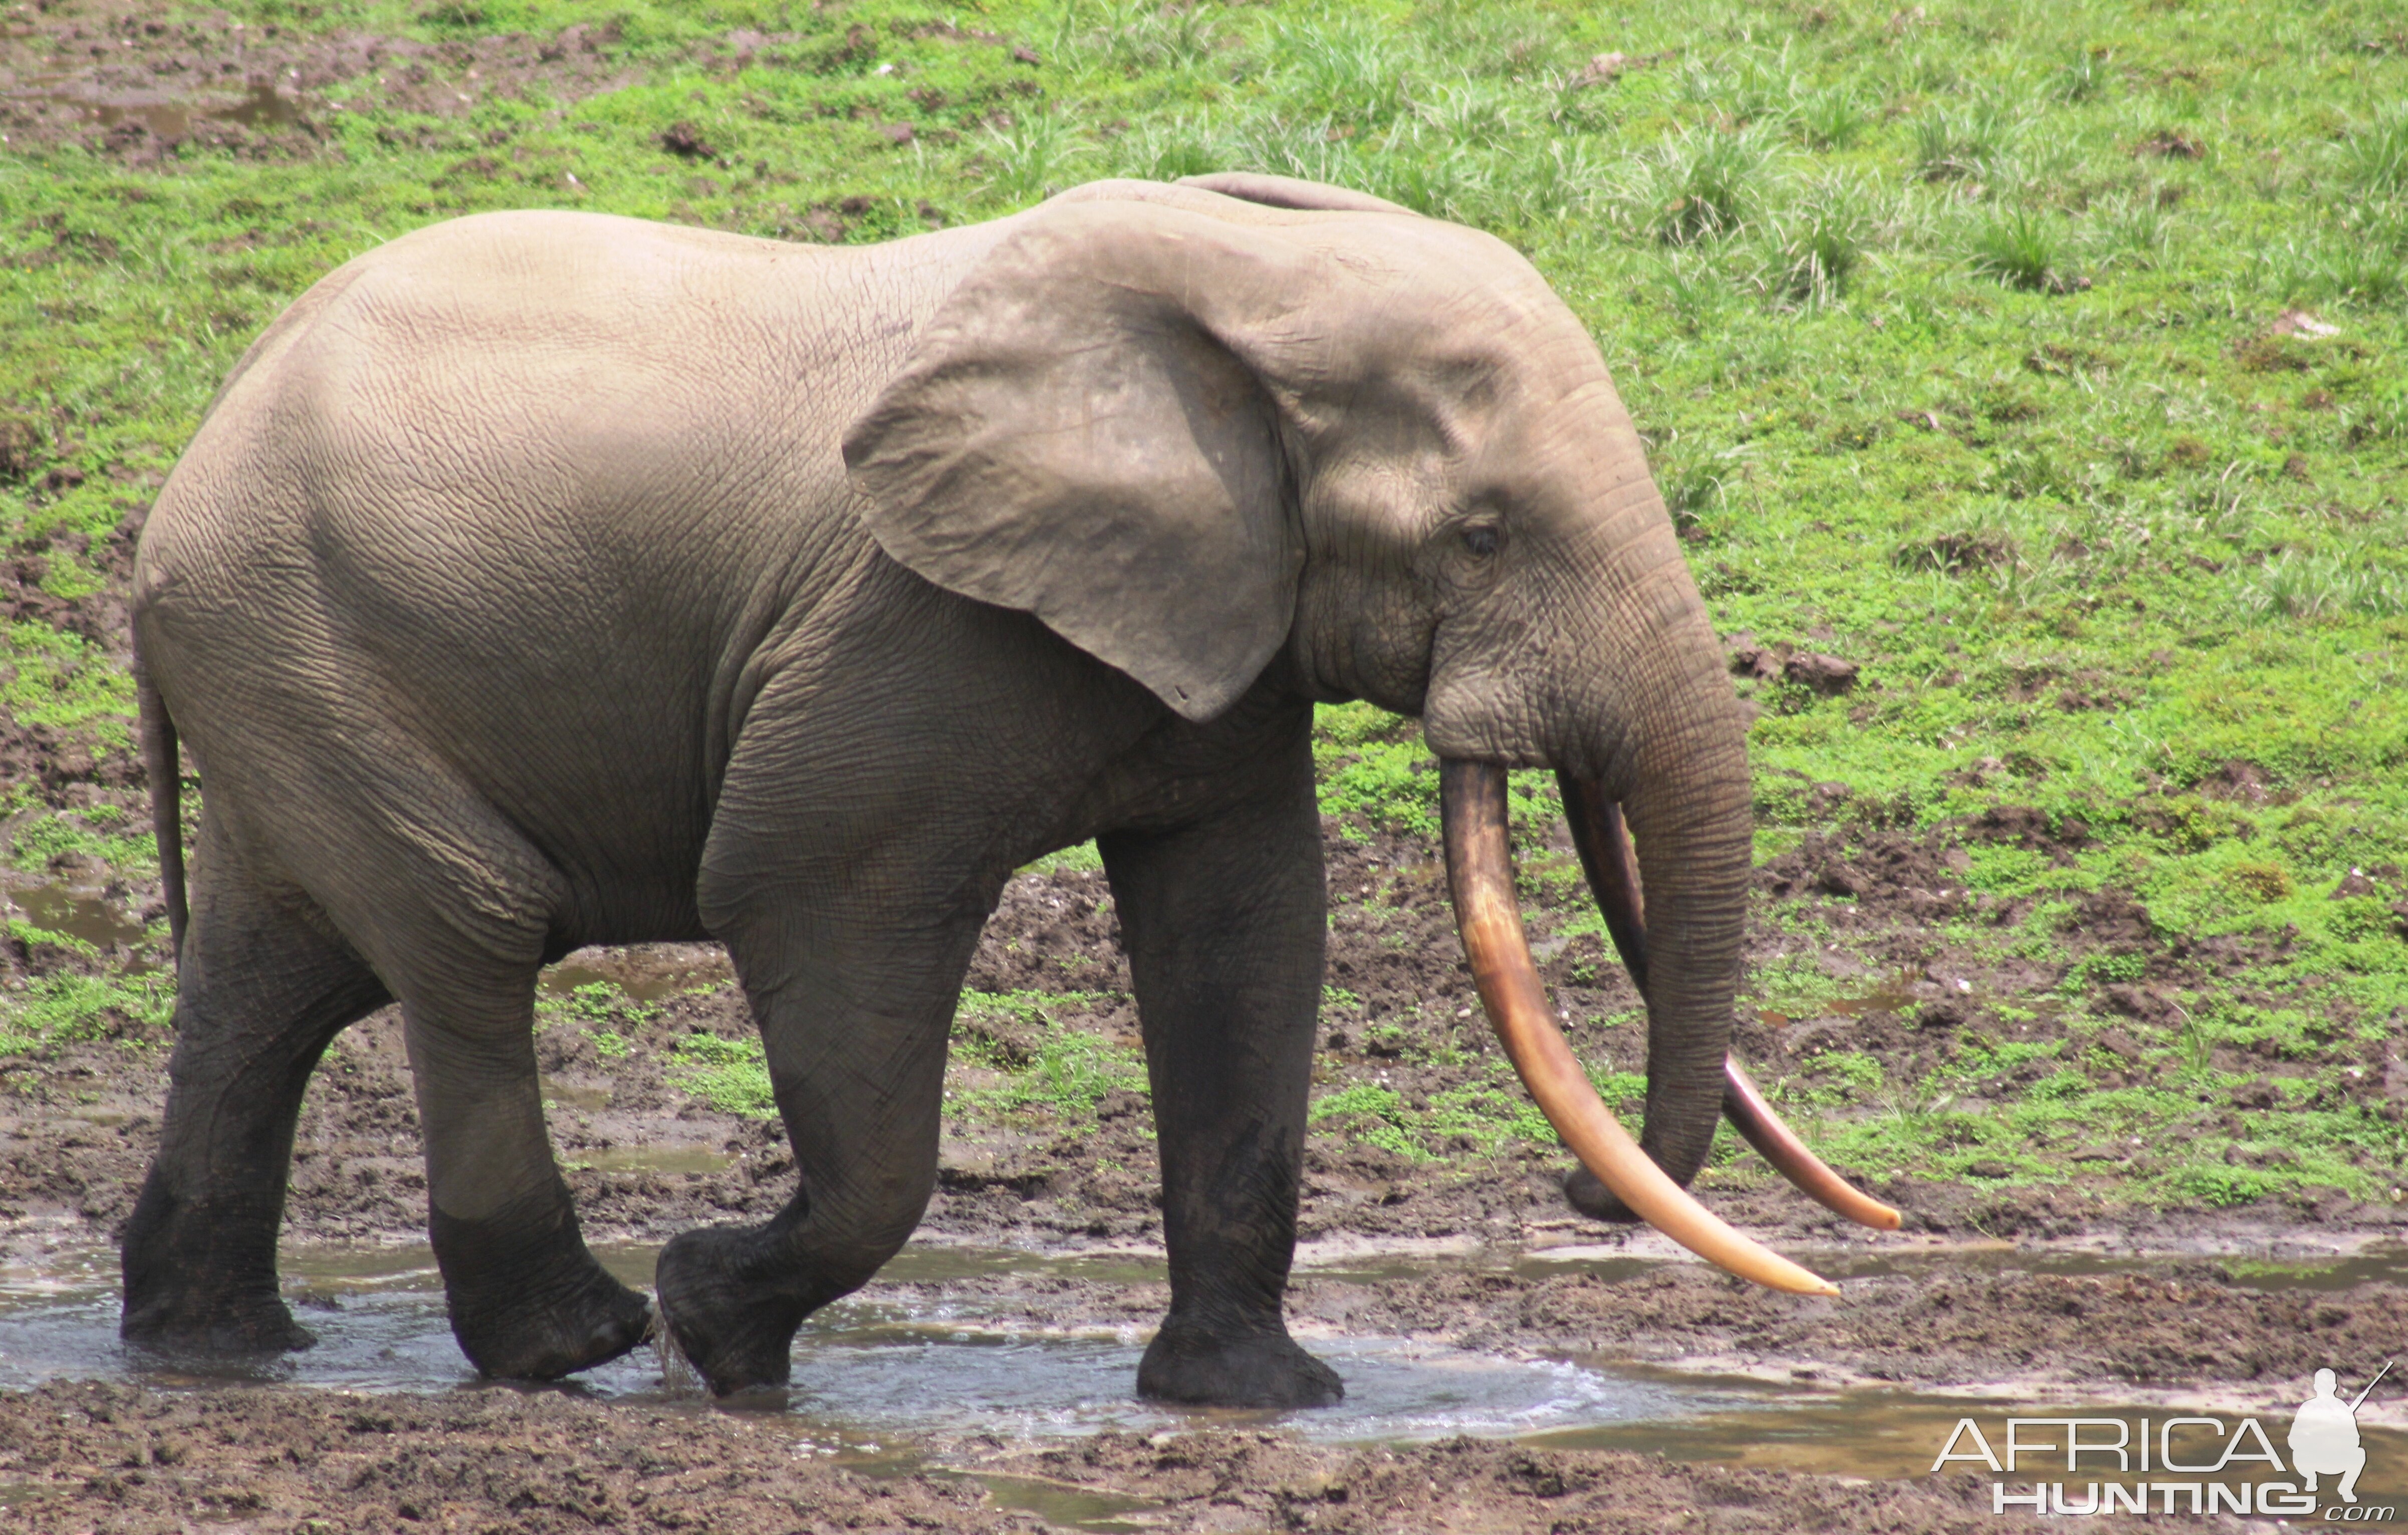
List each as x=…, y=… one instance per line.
x=161, y=766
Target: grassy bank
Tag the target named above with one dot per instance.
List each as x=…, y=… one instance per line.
x=2046, y=365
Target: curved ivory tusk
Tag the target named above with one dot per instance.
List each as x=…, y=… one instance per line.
x=1779, y=1145
x=1613, y=879
x=1480, y=872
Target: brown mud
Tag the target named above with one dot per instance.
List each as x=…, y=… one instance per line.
x=130, y=1461
x=117, y=80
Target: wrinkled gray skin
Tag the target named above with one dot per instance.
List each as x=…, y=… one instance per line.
x=543, y=580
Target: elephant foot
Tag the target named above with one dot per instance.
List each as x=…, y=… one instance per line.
x=529, y=1303
x=543, y=1338
x=1191, y=1366
x=200, y=1278
x=194, y=1327
x=1584, y=1192
x=736, y=1335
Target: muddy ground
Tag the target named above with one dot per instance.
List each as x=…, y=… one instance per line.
x=121, y=81
x=2180, y=1322
x=1401, y=1247
x=100, y=1457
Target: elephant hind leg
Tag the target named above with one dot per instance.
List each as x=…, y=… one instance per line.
x=527, y=1298
x=264, y=988
x=454, y=908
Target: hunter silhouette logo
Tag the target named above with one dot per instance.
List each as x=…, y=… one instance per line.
x=2178, y=1464
x=2324, y=1436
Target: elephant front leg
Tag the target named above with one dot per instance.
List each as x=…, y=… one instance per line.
x=852, y=1014
x=1225, y=924
x=528, y=1300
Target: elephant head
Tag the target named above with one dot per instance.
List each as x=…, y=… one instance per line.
x=1200, y=436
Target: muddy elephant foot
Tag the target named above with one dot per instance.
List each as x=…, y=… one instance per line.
x=557, y=1332
x=199, y=1327
x=200, y=1277
x=736, y=1333
x=1584, y=1192
x=528, y=1302
x=1196, y=1368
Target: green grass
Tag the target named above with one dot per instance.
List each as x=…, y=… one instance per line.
x=61, y=1010
x=730, y=1075
x=606, y=1014
x=1040, y=1067
x=1044, y=1069
x=1477, y=1118
x=1060, y=1084
x=101, y=831
x=2088, y=543
x=2022, y=249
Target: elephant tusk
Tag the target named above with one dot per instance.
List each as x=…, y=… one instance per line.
x=1778, y=1144
x=1480, y=874
x=1613, y=880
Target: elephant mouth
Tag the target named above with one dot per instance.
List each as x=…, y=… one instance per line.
x=1480, y=874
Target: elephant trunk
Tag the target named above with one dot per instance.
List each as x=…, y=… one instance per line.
x=1479, y=873
x=1613, y=879
x=1686, y=796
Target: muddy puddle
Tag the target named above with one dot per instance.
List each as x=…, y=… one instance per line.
x=922, y=1360
x=1895, y=994
x=650, y=973
x=78, y=914
x=879, y=1368
x=2334, y=1271
x=260, y=106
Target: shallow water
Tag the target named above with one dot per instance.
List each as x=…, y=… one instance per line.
x=57, y=907
x=646, y=972
x=870, y=1369
x=171, y=117
x=1894, y=995
x=911, y=1359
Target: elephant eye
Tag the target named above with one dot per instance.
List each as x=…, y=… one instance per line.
x=1480, y=540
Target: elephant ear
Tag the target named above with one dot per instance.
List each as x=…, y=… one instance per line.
x=1082, y=432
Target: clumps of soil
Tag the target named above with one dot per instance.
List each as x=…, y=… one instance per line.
x=686, y=141
x=1812, y=670
x=62, y=760
x=1879, y=869
x=2173, y=144
x=85, y=1456
x=2184, y=1324
x=2034, y=830
x=1052, y=933
x=2242, y=781
x=1820, y=673
x=1953, y=553
x=22, y=444
x=2111, y=920
x=97, y=617
x=1224, y=1479
x=136, y=88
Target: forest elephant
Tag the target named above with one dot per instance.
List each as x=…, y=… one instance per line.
x=542, y=580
